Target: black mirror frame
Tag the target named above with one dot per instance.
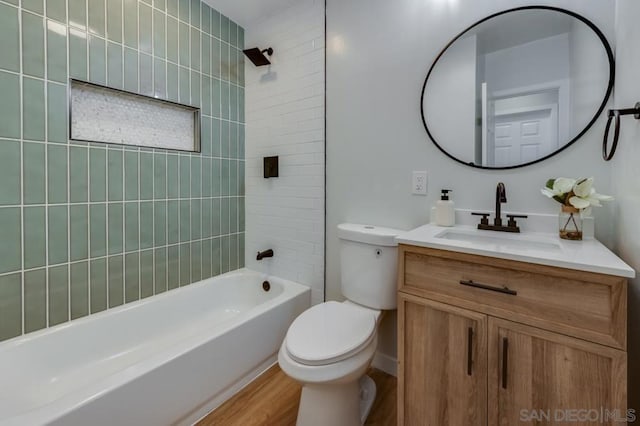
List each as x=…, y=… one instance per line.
x=612, y=73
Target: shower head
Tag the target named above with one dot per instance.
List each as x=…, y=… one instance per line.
x=258, y=57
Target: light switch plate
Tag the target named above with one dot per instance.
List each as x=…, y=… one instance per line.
x=419, y=183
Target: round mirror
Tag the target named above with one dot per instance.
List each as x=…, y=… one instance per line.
x=517, y=87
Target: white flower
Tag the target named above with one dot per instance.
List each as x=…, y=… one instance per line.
x=579, y=203
x=564, y=185
x=578, y=193
x=586, y=196
x=561, y=186
x=583, y=187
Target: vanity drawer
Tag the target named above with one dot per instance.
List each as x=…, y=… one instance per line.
x=580, y=304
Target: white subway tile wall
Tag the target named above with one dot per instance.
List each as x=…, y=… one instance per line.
x=285, y=117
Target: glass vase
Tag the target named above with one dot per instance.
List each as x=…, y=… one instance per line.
x=570, y=223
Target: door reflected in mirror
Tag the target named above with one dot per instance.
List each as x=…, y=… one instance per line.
x=517, y=87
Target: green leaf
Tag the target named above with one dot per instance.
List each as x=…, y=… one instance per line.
x=550, y=183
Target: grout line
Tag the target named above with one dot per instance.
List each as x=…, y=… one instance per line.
x=23, y=314
x=166, y=56
x=106, y=45
x=46, y=164
x=124, y=224
x=88, y=209
x=138, y=52
x=153, y=51
x=179, y=217
x=68, y=207
x=139, y=249
x=122, y=69
x=166, y=232
x=89, y=267
x=87, y=39
x=106, y=223
x=189, y=242
x=80, y=203
x=68, y=149
x=153, y=223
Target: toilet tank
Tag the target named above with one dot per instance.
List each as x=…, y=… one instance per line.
x=368, y=264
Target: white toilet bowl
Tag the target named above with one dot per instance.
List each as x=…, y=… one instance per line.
x=328, y=349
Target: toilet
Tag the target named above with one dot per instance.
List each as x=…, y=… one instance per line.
x=329, y=347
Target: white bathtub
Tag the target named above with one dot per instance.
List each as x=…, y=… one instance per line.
x=168, y=359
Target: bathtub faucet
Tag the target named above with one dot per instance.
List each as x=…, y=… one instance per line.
x=263, y=254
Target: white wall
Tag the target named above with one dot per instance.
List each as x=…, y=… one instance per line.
x=285, y=117
x=378, y=54
x=454, y=80
x=625, y=169
x=528, y=64
x=588, y=66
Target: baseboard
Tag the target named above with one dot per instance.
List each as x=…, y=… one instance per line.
x=386, y=363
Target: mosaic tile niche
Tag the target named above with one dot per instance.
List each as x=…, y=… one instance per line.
x=89, y=226
x=102, y=114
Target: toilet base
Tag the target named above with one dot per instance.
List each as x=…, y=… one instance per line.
x=344, y=404
x=367, y=396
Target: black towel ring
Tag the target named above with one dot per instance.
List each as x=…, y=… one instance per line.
x=616, y=132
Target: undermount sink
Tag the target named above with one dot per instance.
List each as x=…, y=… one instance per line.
x=543, y=248
x=492, y=239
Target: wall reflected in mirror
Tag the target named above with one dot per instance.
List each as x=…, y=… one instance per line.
x=517, y=87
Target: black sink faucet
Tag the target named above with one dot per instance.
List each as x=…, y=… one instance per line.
x=512, y=226
x=501, y=197
x=262, y=254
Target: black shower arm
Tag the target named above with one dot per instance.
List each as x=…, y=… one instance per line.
x=616, y=113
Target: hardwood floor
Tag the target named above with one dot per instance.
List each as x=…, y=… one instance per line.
x=273, y=398
x=383, y=412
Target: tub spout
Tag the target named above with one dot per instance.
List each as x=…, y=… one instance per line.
x=263, y=254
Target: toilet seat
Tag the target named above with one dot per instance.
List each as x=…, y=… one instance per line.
x=330, y=332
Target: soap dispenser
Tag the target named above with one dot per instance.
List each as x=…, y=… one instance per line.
x=445, y=213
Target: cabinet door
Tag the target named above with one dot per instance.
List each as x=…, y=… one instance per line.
x=443, y=364
x=539, y=377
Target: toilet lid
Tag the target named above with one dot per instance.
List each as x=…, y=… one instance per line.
x=329, y=332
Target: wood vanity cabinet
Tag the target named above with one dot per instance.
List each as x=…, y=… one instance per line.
x=486, y=341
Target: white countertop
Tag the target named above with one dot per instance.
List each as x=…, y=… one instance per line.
x=533, y=247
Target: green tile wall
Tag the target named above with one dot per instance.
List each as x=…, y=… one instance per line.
x=87, y=226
